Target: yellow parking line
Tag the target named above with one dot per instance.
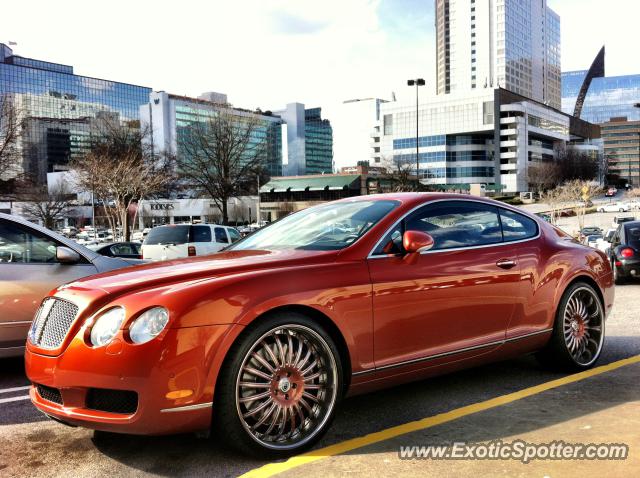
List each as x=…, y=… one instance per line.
x=428, y=422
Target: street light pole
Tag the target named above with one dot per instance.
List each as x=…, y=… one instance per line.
x=417, y=82
x=637, y=105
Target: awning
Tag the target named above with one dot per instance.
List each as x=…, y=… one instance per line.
x=333, y=182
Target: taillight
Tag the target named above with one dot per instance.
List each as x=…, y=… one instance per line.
x=627, y=252
x=191, y=251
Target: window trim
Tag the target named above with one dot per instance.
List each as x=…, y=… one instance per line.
x=371, y=254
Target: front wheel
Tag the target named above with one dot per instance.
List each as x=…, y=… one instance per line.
x=279, y=388
x=601, y=210
x=578, y=332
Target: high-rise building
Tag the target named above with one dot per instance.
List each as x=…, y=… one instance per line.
x=60, y=110
x=512, y=44
x=606, y=97
x=622, y=151
x=309, y=141
x=170, y=116
x=318, y=143
x=595, y=97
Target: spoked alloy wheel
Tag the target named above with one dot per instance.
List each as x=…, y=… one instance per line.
x=286, y=387
x=578, y=332
x=583, y=326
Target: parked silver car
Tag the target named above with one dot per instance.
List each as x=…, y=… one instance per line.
x=33, y=261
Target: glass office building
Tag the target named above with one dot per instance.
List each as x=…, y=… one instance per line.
x=60, y=109
x=607, y=97
x=171, y=119
x=318, y=139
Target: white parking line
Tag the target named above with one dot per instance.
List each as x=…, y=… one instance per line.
x=14, y=389
x=14, y=399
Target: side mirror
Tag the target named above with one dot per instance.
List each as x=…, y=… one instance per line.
x=417, y=241
x=64, y=255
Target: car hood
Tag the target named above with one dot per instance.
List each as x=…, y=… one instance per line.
x=203, y=267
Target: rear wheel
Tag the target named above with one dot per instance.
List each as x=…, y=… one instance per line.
x=279, y=389
x=578, y=333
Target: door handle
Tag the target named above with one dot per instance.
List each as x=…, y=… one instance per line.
x=506, y=263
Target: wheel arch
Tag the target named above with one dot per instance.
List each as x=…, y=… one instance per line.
x=325, y=322
x=582, y=277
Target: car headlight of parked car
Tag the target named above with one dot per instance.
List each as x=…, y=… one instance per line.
x=149, y=325
x=106, y=326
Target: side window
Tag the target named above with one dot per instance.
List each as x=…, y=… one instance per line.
x=458, y=224
x=201, y=234
x=235, y=235
x=452, y=224
x=18, y=244
x=221, y=235
x=516, y=227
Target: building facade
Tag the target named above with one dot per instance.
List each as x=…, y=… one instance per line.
x=309, y=141
x=490, y=137
x=606, y=97
x=60, y=110
x=621, y=139
x=318, y=143
x=169, y=117
x=511, y=44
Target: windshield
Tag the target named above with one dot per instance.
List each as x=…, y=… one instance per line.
x=327, y=227
x=164, y=235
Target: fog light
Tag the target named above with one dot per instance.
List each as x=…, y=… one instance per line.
x=179, y=394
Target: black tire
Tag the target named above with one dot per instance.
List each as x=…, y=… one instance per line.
x=230, y=391
x=558, y=353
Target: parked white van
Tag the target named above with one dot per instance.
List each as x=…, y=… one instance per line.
x=186, y=240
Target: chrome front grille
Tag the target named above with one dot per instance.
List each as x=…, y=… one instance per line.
x=52, y=322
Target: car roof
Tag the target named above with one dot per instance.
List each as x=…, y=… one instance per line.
x=87, y=253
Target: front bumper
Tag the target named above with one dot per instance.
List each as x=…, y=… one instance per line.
x=182, y=360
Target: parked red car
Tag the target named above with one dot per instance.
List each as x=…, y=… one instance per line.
x=263, y=340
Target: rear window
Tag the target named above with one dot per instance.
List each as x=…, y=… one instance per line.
x=165, y=235
x=633, y=236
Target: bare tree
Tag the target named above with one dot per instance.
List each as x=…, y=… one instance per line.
x=578, y=193
x=544, y=175
x=119, y=169
x=577, y=165
x=403, y=180
x=42, y=204
x=10, y=130
x=220, y=154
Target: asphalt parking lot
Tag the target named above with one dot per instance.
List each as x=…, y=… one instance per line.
x=600, y=408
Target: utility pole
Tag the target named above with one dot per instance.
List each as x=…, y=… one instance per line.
x=417, y=82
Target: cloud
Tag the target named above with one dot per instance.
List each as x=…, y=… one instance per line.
x=286, y=23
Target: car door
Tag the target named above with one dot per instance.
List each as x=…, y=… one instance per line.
x=456, y=298
x=28, y=271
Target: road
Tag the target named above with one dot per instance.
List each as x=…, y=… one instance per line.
x=31, y=445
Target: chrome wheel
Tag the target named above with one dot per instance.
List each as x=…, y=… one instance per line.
x=583, y=326
x=286, y=387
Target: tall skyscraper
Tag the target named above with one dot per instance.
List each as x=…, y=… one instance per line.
x=513, y=44
x=60, y=110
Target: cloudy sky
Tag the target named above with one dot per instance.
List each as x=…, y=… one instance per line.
x=266, y=53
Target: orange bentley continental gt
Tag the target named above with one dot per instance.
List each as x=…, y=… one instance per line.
x=263, y=340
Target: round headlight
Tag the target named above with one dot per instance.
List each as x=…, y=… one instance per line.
x=149, y=325
x=106, y=326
